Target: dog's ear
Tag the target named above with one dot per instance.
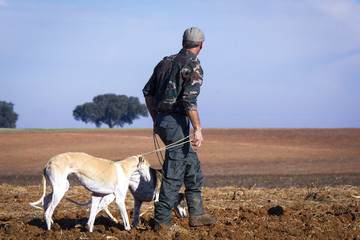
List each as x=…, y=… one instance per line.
x=142, y=159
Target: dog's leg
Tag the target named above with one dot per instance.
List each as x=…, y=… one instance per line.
x=48, y=212
x=95, y=200
x=55, y=197
x=137, y=206
x=110, y=215
x=47, y=200
x=105, y=201
x=120, y=202
x=180, y=206
x=157, y=194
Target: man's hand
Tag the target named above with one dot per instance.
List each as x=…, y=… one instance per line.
x=198, y=139
x=195, y=121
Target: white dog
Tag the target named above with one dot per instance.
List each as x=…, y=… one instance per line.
x=147, y=191
x=143, y=191
x=106, y=179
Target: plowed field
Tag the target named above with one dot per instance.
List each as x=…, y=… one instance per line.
x=260, y=183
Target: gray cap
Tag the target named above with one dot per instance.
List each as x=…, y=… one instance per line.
x=193, y=34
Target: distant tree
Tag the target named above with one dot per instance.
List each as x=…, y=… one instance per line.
x=8, y=117
x=110, y=109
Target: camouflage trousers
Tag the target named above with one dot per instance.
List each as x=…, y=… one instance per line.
x=181, y=165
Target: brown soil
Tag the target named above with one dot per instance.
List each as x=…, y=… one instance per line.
x=260, y=183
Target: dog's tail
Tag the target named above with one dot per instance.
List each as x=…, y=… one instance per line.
x=80, y=204
x=41, y=200
x=355, y=196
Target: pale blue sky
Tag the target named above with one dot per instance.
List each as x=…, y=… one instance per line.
x=270, y=63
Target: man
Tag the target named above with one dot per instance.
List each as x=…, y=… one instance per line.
x=171, y=98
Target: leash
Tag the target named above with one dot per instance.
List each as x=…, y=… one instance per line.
x=157, y=146
x=172, y=145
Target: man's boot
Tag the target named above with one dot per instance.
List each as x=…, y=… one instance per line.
x=196, y=211
x=162, y=228
x=202, y=220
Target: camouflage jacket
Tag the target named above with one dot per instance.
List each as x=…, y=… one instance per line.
x=175, y=83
